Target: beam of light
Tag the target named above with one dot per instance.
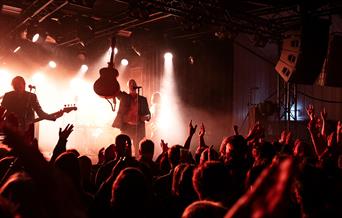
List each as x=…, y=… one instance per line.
x=169, y=116
x=38, y=78
x=52, y=64
x=124, y=62
x=35, y=37
x=16, y=49
x=5, y=81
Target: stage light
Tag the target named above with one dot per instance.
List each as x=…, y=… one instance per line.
x=52, y=64
x=116, y=50
x=84, y=68
x=16, y=49
x=124, y=62
x=168, y=56
x=35, y=37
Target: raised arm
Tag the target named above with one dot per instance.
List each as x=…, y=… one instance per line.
x=201, y=134
x=313, y=130
x=324, y=115
x=62, y=141
x=192, y=130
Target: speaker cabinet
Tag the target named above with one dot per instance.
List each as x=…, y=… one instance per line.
x=303, y=52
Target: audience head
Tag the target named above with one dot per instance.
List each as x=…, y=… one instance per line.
x=131, y=193
x=176, y=178
x=123, y=145
x=264, y=151
x=212, y=181
x=85, y=166
x=21, y=190
x=74, y=151
x=67, y=162
x=185, y=187
x=205, y=155
x=109, y=153
x=174, y=155
x=146, y=148
x=204, y=209
x=236, y=147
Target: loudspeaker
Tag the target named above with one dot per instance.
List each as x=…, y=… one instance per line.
x=303, y=52
x=334, y=63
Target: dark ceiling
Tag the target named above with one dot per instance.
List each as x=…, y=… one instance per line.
x=76, y=22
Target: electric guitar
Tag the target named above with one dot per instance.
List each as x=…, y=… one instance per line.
x=58, y=114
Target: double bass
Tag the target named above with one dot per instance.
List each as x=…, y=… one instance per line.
x=107, y=86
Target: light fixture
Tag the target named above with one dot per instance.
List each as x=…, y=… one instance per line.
x=124, y=62
x=168, y=55
x=52, y=64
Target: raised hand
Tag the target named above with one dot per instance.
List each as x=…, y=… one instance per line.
x=310, y=110
x=66, y=132
x=324, y=114
x=164, y=146
x=192, y=129
x=202, y=130
x=331, y=140
x=339, y=127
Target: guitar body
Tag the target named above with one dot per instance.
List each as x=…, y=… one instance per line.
x=107, y=85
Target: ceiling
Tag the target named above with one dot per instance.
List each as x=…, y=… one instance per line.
x=75, y=22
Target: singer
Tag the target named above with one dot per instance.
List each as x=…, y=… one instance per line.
x=132, y=114
x=23, y=104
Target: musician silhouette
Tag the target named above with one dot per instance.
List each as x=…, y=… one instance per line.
x=22, y=104
x=132, y=114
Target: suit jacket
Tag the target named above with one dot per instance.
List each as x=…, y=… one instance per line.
x=125, y=102
x=23, y=107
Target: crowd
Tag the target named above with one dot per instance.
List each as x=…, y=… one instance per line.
x=247, y=177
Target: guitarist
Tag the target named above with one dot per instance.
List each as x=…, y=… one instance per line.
x=132, y=114
x=22, y=104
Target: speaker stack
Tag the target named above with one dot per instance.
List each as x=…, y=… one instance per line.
x=304, y=51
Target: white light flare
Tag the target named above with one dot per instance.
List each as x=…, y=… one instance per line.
x=16, y=49
x=124, y=62
x=35, y=37
x=52, y=64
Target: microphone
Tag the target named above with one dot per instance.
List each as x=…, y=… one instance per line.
x=137, y=87
x=31, y=86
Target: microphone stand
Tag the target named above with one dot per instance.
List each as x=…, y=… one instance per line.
x=137, y=126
